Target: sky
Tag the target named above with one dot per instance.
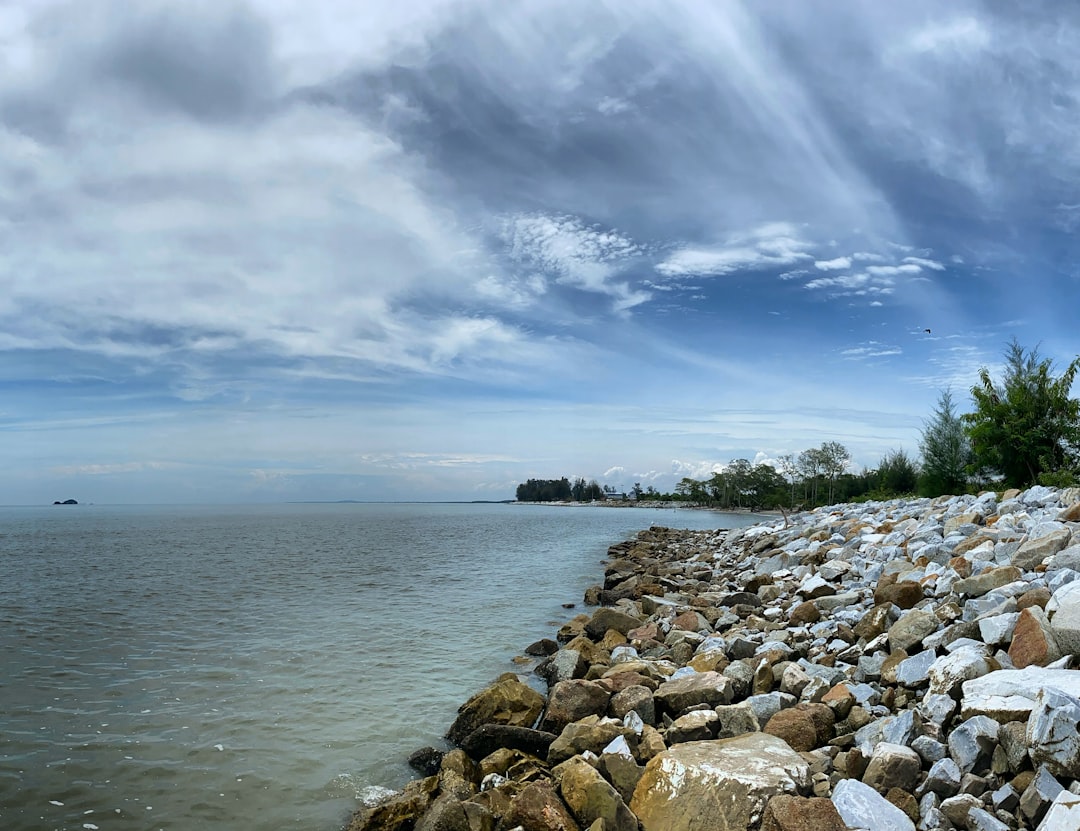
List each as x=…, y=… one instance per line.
x=275, y=251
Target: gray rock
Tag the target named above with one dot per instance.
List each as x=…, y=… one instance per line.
x=735, y=720
x=956, y=808
x=860, y=806
x=998, y=629
x=971, y=743
x=949, y=671
x=1065, y=623
x=929, y=750
x=1036, y=799
x=1053, y=732
x=979, y=819
x=1064, y=813
x=1010, y=694
x=697, y=726
x=915, y=671
x=1034, y=551
x=710, y=688
x=943, y=778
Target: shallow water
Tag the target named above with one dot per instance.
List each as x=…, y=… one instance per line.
x=264, y=666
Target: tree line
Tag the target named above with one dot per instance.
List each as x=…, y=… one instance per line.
x=1024, y=429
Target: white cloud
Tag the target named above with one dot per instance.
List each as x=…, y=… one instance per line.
x=774, y=245
x=933, y=265
x=892, y=270
x=833, y=265
x=871, y=349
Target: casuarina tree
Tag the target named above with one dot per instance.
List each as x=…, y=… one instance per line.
x=1028, y=424
x=946, y=451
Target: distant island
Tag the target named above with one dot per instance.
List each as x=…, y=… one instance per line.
x=66, y=502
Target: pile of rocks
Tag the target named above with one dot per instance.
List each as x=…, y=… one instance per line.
x=887, y=666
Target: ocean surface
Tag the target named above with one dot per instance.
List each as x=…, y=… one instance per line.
x=264, y=667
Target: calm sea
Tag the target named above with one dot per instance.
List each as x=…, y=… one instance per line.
x=264, y=667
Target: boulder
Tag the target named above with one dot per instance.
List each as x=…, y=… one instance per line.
x=1010, y=694
x=803, y=727
x=860, y=806
x=1034, y=551
x=966, y=662
x=538, y=808
x=590, y=797
x=605, y=618
x=488, y=738
x=1033, y=641
x=570, y=701
x=591, y=733
x=447, y=813
x=1053, y=732
x=563, y=666
x=695, y=726
x=1064, y=811
x=980, y=584
x=723, y=784
x=908, y=632
x=401, y=811
x=507, y=701
x=892, y=766
x=710, y=688
x=797, y=813
x=1065, y=622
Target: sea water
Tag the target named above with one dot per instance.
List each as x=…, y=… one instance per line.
x=264, y=667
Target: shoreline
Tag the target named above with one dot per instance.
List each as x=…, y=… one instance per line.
x=856, y=666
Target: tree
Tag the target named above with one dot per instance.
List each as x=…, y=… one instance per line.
x=811, y=465
x=789, y=467
x=636, y=490
x=1028, y=424
x=897, y=474
x=945, y=450
x=834, y=461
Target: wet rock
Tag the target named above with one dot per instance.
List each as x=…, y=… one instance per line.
x=723, y=784
x=447, y=813
x=542, y=647
x=507, y=701
x=490, y=737
x=426, y=760
x=605, y=618
x=400, y=812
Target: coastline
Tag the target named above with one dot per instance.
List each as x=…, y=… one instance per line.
x=843, y=668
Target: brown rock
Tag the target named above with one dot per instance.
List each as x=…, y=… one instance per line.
x=570, y=701
x=619, y=680
x=605, y=618
x=507, y=701
x=612, y=639
x=888, y=668
x=840, y=700
x=637, y=698
x=709, y=688
x=804, y=726
x=1033, y=597
x=687, y=622
x=804, y=613
x=961, y=565
x=538, y=808
x=590, y=797
x=400, y=812
x=905, y=801
x=648, y=632
x=447, y=813
x=904, y=594
x=1070, y=514
x=797, y=813
x=873, y=622
x=1033, y=642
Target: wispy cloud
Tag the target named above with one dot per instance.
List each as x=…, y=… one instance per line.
x=775, y=245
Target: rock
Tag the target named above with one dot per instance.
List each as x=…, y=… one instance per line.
x=622, y=772
x=507, y=701
x=735, y=720
x=426, y=760
x=564, y=665
x=1033, y=642
x=979, y=819
x=723, y=784
x=635, y=698
x=796, y=813
x=605, y=618
x=943, y=778
x=590, y=797
x=915, y=671
x=1034, y=551
x=892, y=766
x=803, y=727
x=570, y=701
x=1053, y=734
x=971, y=744
x=804, y=613
x=1064, y=812
x=956, y=808
x=908, y=632
x=1010, y=694
x=591, y=733
x=445, y=814
x=998, y=629
x=542, y=647
x=700, y=725
x=538, y=808
x=980, y=584
x=904, y=594
x=490, y=737
x=1065, y=622
x=860, y=806
x=874, y=622
x=949, y=671
x=1039, y=795
x=400, y=812
x=710, y=688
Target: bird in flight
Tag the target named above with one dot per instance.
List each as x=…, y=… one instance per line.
x=927, y=331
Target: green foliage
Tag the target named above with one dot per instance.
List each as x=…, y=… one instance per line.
x=1028, y=424
x=558, y=490
x=946, y=451
x=896, y=474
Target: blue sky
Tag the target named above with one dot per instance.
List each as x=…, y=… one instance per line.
x=427, y=250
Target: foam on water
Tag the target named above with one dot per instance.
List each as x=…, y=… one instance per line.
x=242, y=668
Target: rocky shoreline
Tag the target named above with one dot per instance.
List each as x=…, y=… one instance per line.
x=887, y=666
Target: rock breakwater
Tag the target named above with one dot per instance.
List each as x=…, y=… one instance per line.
x=893, y=665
